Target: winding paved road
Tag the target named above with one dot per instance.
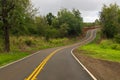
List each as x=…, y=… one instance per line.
x=49, y=64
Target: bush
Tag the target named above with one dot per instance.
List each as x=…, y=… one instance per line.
x=28, y=42
x=117, y=38
x=114, y=46
x=109, y=44
x=105, y=44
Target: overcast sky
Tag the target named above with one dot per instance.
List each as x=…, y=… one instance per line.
x=89, y=8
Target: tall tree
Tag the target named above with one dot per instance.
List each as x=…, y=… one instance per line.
x=73, y=20
x=5, y=9
x=50, y=18
x=13, y=14
x=109, y=20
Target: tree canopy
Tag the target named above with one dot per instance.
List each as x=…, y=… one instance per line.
x=18, y=18
x=13, y=16
x=109, y=18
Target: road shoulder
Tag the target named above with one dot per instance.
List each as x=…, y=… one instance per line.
x=101, y=69
x=78, y=60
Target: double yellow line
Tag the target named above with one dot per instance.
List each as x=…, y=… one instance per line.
x=35, y=73
x=40, y=67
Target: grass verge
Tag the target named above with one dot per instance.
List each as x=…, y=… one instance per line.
x=24, y=45
x=106, y=50
x=10, y=57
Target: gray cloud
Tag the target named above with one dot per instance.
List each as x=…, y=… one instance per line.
x=89, y=8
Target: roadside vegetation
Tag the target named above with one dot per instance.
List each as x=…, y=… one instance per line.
x=26, y=45
x=105, y=49
x=106, y=46
x=24, y=31
x=12, y=56
x=31, y=43
x=110, y=21
x=20, y=18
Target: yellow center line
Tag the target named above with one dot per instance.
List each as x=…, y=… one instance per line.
x=37, y=70
x=41, y=65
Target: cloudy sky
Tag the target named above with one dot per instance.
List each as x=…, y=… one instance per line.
x=89, y=8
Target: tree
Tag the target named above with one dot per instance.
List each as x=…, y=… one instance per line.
x=51, y=33
x=50, y=18
x=63, y=31
x=12, y=14
x=118, y=27
x=97, y=22
x=73, y=20
x=109, y=20
x=6, y=7
x=41, y=25
x=23, y=17
x=55, y=23
x=77, y=14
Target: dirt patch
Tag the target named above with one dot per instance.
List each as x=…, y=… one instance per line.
x=101, y=69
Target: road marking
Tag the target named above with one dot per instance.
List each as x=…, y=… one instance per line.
x=41, y=65
x=94, y=78
x=19, y=60
x=38, y=70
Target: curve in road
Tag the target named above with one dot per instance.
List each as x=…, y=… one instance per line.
x=49, y=64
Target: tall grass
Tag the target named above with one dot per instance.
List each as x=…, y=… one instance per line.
x=24, y=45
x=27, y=43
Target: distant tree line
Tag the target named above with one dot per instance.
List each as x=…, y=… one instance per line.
x=110, y=21
x=18, y=18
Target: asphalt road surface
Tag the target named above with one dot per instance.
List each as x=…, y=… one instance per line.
x=49, y=64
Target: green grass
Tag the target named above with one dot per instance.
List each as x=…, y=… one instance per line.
x=37, y=43
x=24, y=45
x=106, y=50
x=10, y=57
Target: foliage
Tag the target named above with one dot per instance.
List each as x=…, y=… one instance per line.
x=28, y=42
x=50, y=18
x=107, y=50
x=97, y=22
x=88, y=24
x=12, y=56
x=24, y=45
x=102, y=49
x=63, y=31
x=110, y=26
x=14, y=14
x=117, y=38
x=19, y=19
x=72, y=19
x=51, y=33
x=65, y=24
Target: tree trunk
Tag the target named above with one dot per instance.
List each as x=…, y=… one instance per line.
x=6, y=38
x=5, y=26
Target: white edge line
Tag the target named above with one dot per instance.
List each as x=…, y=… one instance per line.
x=94, y=78
x=37, y=53
x=19, y=60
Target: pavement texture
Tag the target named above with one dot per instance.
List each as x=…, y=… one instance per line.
x=61, y=66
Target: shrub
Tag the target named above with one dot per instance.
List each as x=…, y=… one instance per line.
x=28, y=42
x=114, y=46
x=105, y=44
x=117, y=38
